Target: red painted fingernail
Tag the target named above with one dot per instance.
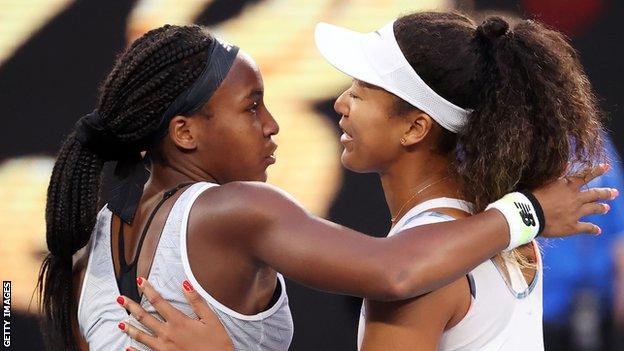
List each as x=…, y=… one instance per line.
x=122, y=326
x=121, y=300
x=128, y=349
x=140, y=281
x=187, y=286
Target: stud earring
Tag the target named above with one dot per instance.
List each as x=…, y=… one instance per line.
x=403, y=141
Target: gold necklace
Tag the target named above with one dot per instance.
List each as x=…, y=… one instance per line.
x=394, y=218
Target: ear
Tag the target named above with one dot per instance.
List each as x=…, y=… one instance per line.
x=419, y=126
x=182, y=132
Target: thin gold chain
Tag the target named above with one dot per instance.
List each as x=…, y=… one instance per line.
x=394, y=218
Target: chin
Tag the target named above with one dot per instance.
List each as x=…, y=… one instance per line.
x=262, y=177
x=349, y=162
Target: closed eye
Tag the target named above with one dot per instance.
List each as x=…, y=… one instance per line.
x=254, y=108
x=353, y=96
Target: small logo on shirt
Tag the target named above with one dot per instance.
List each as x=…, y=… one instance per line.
x=525, y=214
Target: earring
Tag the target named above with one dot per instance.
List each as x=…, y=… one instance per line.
x=403, y=141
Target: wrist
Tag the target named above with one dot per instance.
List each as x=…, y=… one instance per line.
x=524, y=216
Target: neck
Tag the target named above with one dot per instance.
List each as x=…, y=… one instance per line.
x=167, y=175
x=428, y=174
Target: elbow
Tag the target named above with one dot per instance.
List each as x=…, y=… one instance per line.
x=398, y=285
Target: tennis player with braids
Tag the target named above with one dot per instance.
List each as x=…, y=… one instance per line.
x=203, y=215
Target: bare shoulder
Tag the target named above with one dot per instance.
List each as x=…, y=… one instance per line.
x=237, y=200
x=242, y=208
x=440, y=309
x=417, y=323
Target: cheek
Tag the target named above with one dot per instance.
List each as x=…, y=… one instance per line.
x=241, y=147
x=370, y=147
x=234, y=130
x=373, y=132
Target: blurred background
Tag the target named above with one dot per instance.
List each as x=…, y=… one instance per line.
x=55, y=53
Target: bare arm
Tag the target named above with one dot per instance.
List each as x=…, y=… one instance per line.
x=313, y=246
x=323, y=255
x=418, y=323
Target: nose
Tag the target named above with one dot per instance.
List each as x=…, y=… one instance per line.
x=270, y=126
x=341, y=105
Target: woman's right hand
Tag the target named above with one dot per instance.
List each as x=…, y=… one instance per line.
x=178, y=331
x=564, y=203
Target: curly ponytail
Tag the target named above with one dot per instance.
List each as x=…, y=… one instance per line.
x=533, y=107
x=535, y=112
x=146, y=79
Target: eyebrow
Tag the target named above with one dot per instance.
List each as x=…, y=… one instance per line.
x=366, y=85
x=255, y=94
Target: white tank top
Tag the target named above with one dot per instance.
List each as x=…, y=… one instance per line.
x=502, y=316
x=99, y=313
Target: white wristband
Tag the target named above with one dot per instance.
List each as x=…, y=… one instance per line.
x=524, y=216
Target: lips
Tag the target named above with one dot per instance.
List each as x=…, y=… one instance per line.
x=269, y=160
x=272, y=148
x=345, y=137
x=270, y=157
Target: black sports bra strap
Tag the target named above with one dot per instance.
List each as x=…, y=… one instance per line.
x=128, y=271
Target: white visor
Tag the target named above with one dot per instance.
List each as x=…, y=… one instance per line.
x=376, y=58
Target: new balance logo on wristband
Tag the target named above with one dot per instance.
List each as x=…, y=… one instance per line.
x=523, y=228
x=526, y=214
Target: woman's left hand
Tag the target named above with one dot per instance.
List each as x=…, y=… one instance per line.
x=178, y=331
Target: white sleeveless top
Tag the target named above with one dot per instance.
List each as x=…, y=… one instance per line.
x=99, y=313
x=502, y=316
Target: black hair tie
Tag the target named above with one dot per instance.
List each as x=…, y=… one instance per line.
x=130, y=173
x=92, y=134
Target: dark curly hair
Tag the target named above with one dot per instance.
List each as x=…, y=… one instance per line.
x=145, y=80
x=534, y=108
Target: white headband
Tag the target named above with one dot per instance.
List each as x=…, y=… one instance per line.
x=376, y=58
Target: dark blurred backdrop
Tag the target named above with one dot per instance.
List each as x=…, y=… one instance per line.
x=49, y=78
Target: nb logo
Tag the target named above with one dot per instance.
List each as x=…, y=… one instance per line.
x=525, y=213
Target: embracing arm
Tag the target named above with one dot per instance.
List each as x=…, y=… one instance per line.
x=326, y=256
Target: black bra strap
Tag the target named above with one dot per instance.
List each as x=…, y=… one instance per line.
x=128, y=271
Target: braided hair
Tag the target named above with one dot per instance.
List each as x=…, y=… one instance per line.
x=145, y=80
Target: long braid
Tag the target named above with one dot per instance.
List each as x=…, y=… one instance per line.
x=146, y=79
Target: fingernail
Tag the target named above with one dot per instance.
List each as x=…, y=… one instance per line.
x=121, y=300
x=128, y=349
x=607, y=207
x=187, y=286
x=140, y=281
x=599, y=231
x=122, y=326
x=615, y=193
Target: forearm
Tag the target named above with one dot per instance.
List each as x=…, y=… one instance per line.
x=333, y=258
